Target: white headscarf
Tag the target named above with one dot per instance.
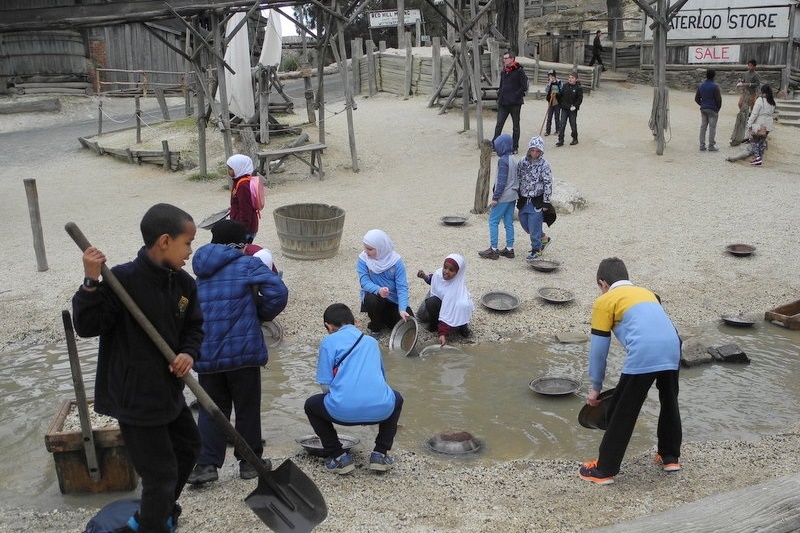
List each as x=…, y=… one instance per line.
x=385, y=258
x=241, y=164
x=457, y=303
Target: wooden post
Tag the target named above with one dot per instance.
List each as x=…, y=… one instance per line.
x=419, y=33
x=494, y=59
x=482, y=186
x=162, y=102
x=476, y=84
x=436, y=64
x=382, y=46
x=222, y=87
x=305, y=70
x=401, y=26
x=165, y=150
x=138, y=120
x=201, y=131
x=99, y=117
x=406, y=90
x=348, y=97
x=263, y=104
x=451, y=31
x=321, y=97
x=357, y=52
x=373, y=84
x=36, y=223
x=521, y=37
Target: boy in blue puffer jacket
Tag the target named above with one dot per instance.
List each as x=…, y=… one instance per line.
x=236, y=292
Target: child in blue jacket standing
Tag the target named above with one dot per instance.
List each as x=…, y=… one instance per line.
x=504, y=197
x=236, y=292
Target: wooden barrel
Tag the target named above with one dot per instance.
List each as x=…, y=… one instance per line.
x=309, y=231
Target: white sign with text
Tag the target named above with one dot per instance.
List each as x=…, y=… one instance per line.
x=728, y=53
x=383, y=19
x=728, y=19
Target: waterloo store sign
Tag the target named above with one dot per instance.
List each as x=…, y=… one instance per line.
x=728, y=19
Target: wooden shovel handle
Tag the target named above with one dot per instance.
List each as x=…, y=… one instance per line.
x=202, y=396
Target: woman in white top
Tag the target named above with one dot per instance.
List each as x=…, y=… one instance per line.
x=760, y=123
x=449, y=304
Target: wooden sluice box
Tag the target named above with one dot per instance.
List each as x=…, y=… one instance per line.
x=116, y=471
x=787, y=315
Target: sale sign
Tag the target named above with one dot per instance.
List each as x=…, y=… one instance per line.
x=727, y=53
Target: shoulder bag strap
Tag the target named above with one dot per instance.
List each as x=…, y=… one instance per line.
x=340, y=361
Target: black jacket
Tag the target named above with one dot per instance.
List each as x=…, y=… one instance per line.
x=133, y=383
x=571, y=95
x=513, y=86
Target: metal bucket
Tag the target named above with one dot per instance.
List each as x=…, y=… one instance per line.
x=309, y=231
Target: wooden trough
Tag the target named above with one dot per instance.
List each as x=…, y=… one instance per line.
x=117, y=473
x=787, y=315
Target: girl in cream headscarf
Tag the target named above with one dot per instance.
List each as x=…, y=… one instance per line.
x=384, y=287
x=240, y=168
x=449, y=304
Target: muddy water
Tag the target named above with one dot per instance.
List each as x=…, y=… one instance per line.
x=481, y=389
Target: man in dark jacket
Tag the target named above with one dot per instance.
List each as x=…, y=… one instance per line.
x=236, y=292
x=709, y=98
x=570, y=101
x=597, y=48
x=510, y=96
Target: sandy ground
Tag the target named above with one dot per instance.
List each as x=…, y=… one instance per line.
x=669, y=217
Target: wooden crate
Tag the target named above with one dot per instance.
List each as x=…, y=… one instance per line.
x=116, y=471
x=787, y=315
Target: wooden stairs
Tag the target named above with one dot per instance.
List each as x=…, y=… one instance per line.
x=788, y=112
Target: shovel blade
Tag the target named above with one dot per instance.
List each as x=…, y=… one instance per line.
x=305, y=509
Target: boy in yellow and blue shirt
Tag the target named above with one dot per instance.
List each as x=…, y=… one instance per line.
x=653, y=351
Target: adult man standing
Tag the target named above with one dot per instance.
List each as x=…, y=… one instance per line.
x=709, y=98
x=597, y=47
x=510, y=96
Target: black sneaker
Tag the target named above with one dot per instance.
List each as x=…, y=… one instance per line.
x=669, y=463
x=505, y=252
x=490, y=253
x=590, y=472
x=465, y=331
x=374, y=327
x=560, y=143
x=203, y=474
x=247, y=471
x=574, y=142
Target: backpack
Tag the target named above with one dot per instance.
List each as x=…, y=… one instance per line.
x=258, y=195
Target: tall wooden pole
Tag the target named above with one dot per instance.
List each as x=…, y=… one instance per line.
x=36, y=223
x=348, y=93
x=225, y=116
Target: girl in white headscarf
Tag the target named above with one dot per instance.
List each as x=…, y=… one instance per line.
x=240, y=168
x=449, y=304
x=384, y=287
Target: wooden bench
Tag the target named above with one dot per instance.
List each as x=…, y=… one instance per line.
x=315, y=161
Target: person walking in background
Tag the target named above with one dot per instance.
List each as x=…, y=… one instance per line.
x=510, y=96
x=448, y=305
x=236, y=293
x=240, y=168
x=384, y=286
x=535, y=187
x=351, y=375
x=760, y=123
x=653, y=353
x=552, y=90
x=709, y=98
x=504, y=194
x=597, y=48
x=749, y=84
x=570, y=101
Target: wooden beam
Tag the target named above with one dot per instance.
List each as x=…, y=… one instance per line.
x=107, y=14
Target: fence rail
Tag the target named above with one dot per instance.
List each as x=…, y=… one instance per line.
x=122, y=82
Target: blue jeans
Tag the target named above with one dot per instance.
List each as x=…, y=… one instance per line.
x=503, y=211
x=531, y=220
